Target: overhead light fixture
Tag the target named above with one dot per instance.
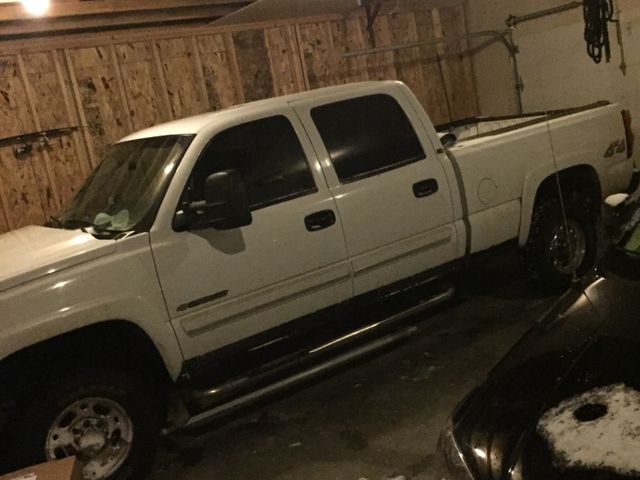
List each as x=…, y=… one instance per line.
x=36, y=8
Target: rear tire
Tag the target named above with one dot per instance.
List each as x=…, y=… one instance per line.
x=551, y=259
x=93, y=415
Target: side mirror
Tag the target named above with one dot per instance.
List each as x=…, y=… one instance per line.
x=448, y=139
x=225, y=206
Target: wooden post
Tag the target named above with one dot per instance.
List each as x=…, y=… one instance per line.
x=78, y=100
x=73, y=119
x=163, y=81
x=123, y=92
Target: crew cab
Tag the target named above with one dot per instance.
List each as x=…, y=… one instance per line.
x=211, y=261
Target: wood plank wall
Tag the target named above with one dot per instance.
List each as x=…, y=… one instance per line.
x=112, y=85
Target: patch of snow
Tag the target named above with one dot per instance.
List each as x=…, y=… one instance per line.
x=610, y=442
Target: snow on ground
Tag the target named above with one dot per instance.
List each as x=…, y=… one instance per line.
x=610, y=442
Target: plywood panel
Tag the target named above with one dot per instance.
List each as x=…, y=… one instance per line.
x=434, y=96
x=407, y=61
x=15, y=114
x=42, y=168
x=141, y=84
x=65, y=162
x=100, y=99
x=218, y=70
x=18, y=180
x=112, y=86
x=20, y=186
x=285, y=61
x=316, y=47
x=46, y=90
x=457, y=67
x=348, y=35
x=381, y=66
x=4, y=208
x=253, y=64
x=71, y=109
x=66, y=167
x=181, y=76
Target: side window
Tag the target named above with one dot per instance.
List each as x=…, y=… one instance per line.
x=366, y=136
x=268, y=156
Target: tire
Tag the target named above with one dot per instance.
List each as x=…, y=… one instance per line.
x=116, y=402
x=550, y=262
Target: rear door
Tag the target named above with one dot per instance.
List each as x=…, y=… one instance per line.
x=388, y=183
x=223, y=286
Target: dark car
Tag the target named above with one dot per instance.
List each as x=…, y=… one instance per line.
x=564, y=403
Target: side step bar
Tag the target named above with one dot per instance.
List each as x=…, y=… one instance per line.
x=339, y=359
x=301, y=377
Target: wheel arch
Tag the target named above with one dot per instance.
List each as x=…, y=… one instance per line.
x=543, y=184
x=120, y=343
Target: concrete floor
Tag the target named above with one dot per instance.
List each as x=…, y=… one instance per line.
x=380, y=418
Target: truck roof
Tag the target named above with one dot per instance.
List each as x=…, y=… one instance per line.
x=192, y=125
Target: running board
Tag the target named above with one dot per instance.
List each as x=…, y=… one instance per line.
x=332, y=363
x=300, y=377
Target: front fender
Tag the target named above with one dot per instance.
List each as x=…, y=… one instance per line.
x=122, y=286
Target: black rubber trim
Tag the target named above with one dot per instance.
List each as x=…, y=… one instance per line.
x=463, y=199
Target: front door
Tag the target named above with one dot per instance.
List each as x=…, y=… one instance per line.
x=225, y=286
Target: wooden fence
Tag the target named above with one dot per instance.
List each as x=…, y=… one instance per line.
x=105, y=86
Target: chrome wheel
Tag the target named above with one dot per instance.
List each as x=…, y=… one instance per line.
x=97, y=430
x=568, y=251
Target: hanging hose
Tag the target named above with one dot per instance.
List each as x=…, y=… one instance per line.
x=597, y=15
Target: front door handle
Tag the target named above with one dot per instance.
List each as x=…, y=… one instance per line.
x=320, y=220
x=425, y=188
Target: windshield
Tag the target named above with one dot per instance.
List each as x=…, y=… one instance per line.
x=126, y=185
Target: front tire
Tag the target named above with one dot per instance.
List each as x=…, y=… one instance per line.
x=110, y=420
x=552, y=256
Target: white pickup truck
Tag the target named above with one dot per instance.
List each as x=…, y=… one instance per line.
x=211, y=261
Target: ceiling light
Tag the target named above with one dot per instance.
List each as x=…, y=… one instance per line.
x=36, y=7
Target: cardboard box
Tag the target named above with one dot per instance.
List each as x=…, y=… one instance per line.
x=67, y=469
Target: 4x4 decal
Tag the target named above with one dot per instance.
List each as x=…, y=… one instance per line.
x=619, y=146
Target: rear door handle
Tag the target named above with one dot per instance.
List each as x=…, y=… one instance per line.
x=320, y=220
x=425, y=188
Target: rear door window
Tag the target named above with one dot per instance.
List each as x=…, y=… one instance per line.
x=367, y=136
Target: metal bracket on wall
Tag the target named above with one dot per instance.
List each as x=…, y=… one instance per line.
x=23, y=143
x=502, y=36
x=514, y=20
x=618, y=22
x=505, y=37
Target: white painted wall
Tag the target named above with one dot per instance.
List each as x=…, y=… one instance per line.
x=554, y=64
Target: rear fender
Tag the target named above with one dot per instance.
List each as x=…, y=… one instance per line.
x=531, y=190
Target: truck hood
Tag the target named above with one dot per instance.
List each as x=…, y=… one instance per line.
x=34, y=252
x=521, y=423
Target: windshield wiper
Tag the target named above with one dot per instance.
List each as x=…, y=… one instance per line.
x=75, y=223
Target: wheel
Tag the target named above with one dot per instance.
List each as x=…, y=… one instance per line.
x=554, y=255
x=109, y=420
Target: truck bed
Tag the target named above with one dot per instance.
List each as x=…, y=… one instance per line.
x=476, y=127
x=502, y=160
